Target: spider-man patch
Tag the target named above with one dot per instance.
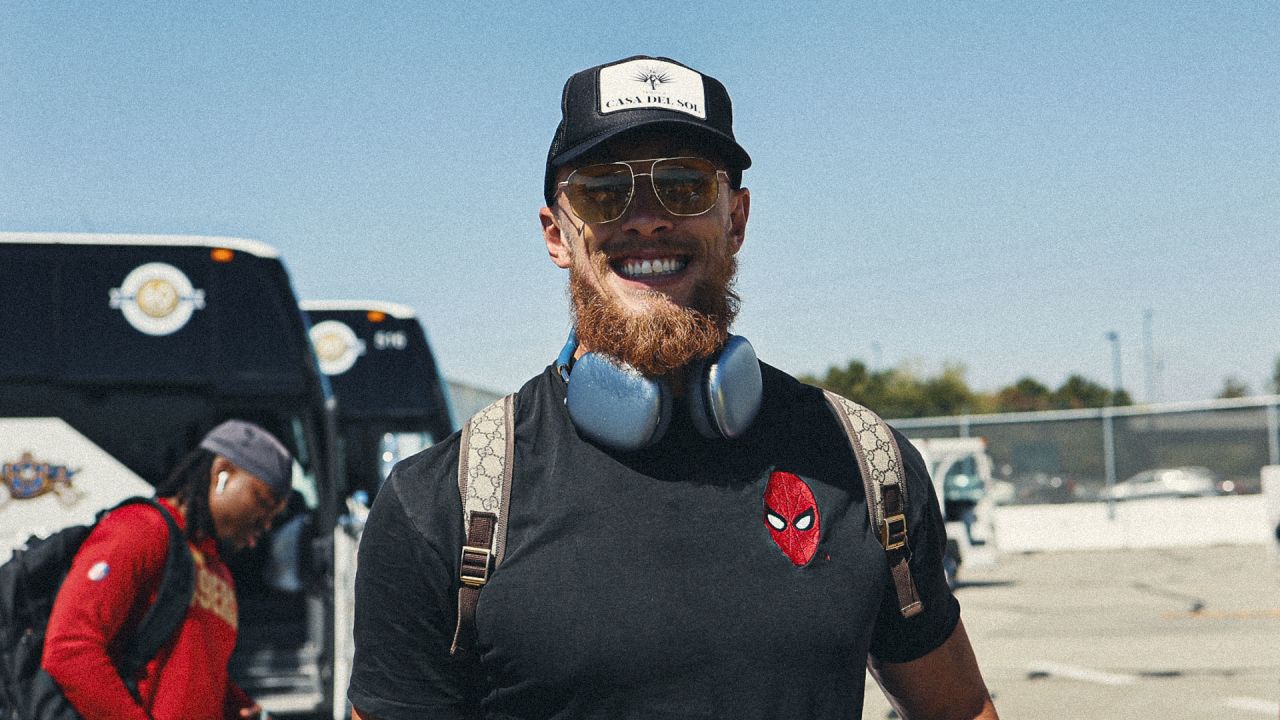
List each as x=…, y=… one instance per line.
x=791, y=514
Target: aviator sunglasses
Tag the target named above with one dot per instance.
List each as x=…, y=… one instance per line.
x=684, y=186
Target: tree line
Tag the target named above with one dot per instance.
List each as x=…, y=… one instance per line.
x=902, y=393
x=1234, y=387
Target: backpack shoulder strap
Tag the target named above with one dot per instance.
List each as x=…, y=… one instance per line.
x=166, y=614
x=885, y=483
x=484, y=484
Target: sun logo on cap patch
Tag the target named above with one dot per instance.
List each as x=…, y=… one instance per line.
x=99, y=571
x=337, y=347
x=651, y=77
x=157, y=299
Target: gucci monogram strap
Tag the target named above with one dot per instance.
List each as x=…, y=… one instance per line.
x=484, y=484
x=885, y=483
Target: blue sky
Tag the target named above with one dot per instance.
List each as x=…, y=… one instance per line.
x=996, y=185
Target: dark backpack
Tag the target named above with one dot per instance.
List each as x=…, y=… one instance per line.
x=29, y=582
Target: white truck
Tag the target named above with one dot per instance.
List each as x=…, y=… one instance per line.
x=961, y=471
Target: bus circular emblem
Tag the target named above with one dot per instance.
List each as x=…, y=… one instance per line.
x=157, y=299
x=337, y=347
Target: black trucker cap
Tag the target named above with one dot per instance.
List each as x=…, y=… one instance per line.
x=605, y=101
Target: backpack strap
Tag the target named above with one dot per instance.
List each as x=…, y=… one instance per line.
x=880, y=463
x=166, y=614
x=484, y=484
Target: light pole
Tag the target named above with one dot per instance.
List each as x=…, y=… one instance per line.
x=1115, y=365
x=1148, y=361
x=1108, y=425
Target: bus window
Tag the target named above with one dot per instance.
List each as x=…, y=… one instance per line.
x=397, y=446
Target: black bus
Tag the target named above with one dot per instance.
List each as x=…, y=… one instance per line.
x=391, y=399
x=121, y=351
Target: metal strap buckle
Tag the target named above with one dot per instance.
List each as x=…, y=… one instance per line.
x=474, y=569
x=893, y=532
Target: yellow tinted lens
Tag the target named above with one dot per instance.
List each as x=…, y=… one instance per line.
x=599, y=193
x=686, y=186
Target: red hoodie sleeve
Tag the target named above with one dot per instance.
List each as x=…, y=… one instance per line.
x=111, y=582
x=237, y=700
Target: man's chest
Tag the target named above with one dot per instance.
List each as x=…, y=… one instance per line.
x=622, y=577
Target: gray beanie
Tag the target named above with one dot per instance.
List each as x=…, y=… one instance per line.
x=254, y=450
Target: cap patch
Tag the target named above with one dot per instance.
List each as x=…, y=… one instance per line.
x=99, y=571
x=650, y=83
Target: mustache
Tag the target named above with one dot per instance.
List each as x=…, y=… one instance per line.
x=678, y=245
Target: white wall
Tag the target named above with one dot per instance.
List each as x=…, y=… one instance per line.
x=1155, y=523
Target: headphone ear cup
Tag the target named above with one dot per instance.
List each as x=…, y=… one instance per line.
x=611, y=403
x=696, y=393
x=725, y=392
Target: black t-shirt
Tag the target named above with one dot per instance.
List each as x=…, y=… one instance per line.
x=649, y=585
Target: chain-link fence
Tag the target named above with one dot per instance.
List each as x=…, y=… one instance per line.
x=1211, y=447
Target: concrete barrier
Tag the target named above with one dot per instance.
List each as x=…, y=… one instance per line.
x=1154, y=523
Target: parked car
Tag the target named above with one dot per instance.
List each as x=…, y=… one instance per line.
x=1189, y=481
x=1041, y=488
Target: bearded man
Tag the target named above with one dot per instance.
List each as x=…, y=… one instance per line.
x=687, y=528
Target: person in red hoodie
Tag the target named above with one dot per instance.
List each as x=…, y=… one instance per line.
x=224, y=495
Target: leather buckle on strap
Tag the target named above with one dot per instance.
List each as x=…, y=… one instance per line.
x=474, y=570
x=893, y=532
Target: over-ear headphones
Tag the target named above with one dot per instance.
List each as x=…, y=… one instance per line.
x=613, y=404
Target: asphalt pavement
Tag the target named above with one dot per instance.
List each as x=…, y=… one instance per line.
x=1125, y=634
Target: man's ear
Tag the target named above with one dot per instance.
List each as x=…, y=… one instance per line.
x=557, y=243
x=220, y=465
x=738, y=214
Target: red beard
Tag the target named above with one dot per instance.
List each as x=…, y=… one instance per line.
x=665, y=337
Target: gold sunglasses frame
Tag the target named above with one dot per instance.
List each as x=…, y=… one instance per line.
x=560, y=186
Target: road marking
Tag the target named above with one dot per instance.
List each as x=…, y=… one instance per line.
x=1080, y=673
x=1253, y=705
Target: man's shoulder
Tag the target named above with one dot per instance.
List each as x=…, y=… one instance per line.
x=135, y=534
x=426, y=484
x=789, y=395
x=783, y=389
x=137, y=520
x=423, y=470
x=791, y=406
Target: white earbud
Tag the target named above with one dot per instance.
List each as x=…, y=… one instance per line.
x=222, y=482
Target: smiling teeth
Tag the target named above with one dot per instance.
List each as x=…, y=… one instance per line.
x=649, y=268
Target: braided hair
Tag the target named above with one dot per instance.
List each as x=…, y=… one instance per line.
x=188, y=485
